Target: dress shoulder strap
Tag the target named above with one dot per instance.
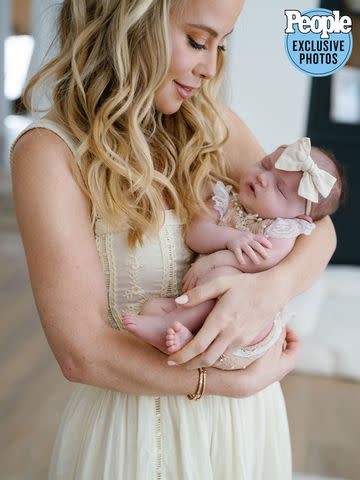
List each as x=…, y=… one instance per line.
x=50, y=125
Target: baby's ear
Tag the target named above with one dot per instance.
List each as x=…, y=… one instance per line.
x=305, y=217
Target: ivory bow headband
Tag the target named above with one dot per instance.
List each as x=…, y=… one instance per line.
x=296, y=157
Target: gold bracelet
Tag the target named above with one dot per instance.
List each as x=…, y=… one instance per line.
x=201, y=385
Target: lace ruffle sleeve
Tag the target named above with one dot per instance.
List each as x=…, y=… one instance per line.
x=221, y=197
x=289, y=228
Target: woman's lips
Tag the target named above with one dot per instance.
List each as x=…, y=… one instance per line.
x=184, y=92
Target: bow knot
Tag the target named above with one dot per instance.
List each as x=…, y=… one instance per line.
x=296, y=157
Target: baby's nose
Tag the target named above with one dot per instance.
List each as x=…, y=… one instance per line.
x=261, y=179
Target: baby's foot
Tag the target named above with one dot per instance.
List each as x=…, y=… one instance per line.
x=151, y=328
x=177, y=336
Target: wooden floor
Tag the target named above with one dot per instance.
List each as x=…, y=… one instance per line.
x=323, y=413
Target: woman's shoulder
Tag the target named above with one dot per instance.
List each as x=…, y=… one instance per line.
x=242, y=148
x=39, y=148
x=41, y=154
x=46, y=130
x=43, y=141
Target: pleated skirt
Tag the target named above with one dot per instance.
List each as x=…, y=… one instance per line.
x=108, y=435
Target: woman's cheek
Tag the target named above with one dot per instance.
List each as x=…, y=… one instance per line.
x=180, y=64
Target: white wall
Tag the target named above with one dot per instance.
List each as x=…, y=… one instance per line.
x=266, y=91
x=4, y=104
x=43, y=26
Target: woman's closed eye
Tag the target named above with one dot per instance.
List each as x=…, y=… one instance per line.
x=199, y=46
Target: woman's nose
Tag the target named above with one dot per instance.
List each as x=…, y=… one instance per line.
x=207, y=68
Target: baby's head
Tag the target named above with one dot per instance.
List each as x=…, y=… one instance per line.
x=272, y=191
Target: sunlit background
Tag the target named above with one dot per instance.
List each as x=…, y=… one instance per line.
x=279, y=104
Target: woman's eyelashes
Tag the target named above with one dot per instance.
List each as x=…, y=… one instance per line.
x=199, y=46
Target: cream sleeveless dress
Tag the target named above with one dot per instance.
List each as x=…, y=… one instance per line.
x=109, y=435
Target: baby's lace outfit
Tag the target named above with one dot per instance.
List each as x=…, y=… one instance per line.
x=233, y=214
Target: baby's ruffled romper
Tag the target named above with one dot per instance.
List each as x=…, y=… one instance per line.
x=233, y=214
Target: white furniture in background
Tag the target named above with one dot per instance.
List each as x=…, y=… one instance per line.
x=328, y=322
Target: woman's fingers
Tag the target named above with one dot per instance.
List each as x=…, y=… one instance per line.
x=192, y=282
x=289, y=355
x=211, y=340
x=292, y=342
x=197, y=345
x=210, y=355
x=206, y=291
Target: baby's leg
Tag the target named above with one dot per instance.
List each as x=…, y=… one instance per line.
x=178, y=335
x=158, y=306
x=157, y=315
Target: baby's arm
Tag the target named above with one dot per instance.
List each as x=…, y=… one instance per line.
x=280, y=249
x=204, y=235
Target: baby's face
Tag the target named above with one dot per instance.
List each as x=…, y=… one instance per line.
x=271, y=192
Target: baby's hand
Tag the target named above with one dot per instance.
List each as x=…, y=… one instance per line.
x=197, y=270
x=250, y=244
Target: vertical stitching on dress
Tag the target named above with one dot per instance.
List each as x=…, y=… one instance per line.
x=104, y=257
x=112, y=278
x=169, y=286
x=158, y=438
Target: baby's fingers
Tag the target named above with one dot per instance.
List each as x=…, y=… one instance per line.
x=239, y=256
x=263, y=241
x=251, y=254
x=259, y=248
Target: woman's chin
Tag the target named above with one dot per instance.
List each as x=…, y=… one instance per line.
x=168, y=108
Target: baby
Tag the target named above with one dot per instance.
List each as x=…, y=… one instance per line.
x=278, y=198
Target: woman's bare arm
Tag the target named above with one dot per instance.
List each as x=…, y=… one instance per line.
x=69, y=287
x=307, y=260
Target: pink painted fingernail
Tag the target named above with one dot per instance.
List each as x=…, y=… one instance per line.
x=182, y=299
x=171, y=362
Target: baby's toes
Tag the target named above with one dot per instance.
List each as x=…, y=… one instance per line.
x=177, y=326
x=172, y=349
x=170, y=332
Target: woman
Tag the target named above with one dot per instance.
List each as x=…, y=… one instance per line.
x=102, y=189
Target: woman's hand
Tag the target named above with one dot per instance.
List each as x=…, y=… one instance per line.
x=249, y=244
x=272, y=367
x=276, y=363
x=246, y=303
x=197, y=270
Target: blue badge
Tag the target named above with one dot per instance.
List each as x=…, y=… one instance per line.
x=318, y=42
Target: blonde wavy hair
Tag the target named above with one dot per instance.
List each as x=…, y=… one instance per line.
x=113, y=56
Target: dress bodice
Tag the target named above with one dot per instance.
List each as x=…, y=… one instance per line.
x=152, y=270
